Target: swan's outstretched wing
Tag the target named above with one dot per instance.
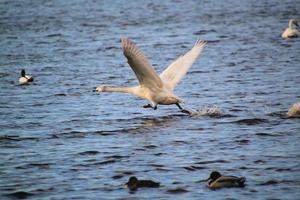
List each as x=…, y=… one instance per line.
x=176, y=70
x=140, y=65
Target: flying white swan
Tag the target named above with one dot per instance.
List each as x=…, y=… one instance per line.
x=24, y=79
x=157, y=89
x=291, y=31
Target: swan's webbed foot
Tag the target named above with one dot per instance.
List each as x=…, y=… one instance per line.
x=147, y=106
x=183, y=110
x=150, y=106
x=186, y=111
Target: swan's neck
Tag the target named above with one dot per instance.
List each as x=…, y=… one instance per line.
x=131, y=90
x=138, y=91
x=291, y=25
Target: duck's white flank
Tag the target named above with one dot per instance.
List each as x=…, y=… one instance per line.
x=24, y=79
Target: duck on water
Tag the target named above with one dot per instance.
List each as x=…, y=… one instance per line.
x=133, y=183
x=216, y=181
x=25, y=79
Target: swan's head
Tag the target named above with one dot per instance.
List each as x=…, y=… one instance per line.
x=100, y=89
x=293, y=22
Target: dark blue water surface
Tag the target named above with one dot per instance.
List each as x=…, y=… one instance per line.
x=61, y=140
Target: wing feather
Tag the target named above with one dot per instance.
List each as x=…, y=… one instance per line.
x=176, y=70
x=138, y=62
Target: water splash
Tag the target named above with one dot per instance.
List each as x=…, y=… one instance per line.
x=213, y=111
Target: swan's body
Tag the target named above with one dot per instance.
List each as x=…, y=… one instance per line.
x=24, y=79
x=294, y=111
x=157, y=89
x=216, y=181
x=291, y=31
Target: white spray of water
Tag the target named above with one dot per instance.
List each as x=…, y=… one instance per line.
x=213, y=111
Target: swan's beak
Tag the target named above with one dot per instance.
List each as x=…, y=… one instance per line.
x=296, y=23
x=98, y=89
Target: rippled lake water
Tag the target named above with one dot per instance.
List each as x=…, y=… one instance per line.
x=60, y=140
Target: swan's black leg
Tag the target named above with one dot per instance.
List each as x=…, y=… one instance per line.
x=147, y=106
x=177, y=104
x=183, y=110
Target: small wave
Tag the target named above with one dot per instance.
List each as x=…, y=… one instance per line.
x=157, y=165
x=275, y=182
x=94, y=25
x=88, y=153
x=9, y=138
x=105, y=133
x=214, y=111
x=259, y=162
x=151, y=146
x=212, y=161
x=281, y=114
x=203, y=32
x=117, y=157
x=265, y=134
x=110, y=48
x=270, y=182
x=279, y=169
x=71, y=134
x=118, y=176
x=252, y=121
x=37, y=165
x=54, y=35
x=125, y=173
x=194, y=168
x=180, y=142
x=60, y=94
x=244, y=141
x=106, y=162
x=177, y=190
x=20, y=194
x=2, y=75
x=93, y=164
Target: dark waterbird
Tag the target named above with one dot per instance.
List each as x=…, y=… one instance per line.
x=133, y=183
x=24, y=79
x=216, y=181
